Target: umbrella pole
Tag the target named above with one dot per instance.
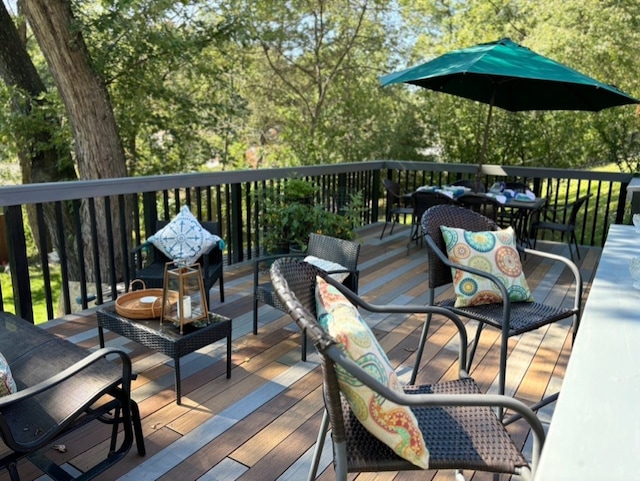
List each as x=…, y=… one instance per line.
x=485, y=138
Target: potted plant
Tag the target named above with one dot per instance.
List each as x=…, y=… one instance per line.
x=292, y=216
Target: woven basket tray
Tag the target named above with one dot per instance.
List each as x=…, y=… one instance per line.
x=130, y=306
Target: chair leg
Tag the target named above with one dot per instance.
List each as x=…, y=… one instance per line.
x=420, y=351
x=383, y=228
x=255, y=316
x=317, y=452
x=221, y=281
x=474, y=346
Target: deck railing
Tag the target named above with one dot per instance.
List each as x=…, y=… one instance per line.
x=96, y=223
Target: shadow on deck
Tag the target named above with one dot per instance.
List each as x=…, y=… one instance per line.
x=262, y=423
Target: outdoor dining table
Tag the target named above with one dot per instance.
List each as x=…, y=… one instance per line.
x=595, y=429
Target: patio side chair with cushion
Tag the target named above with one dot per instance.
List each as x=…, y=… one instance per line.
x=337, y=256
x=447, y=425
x=493, y=292
x=151, y=269
x=560, y=218
x=396, y=205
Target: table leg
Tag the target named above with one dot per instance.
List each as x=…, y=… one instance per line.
x=101, y=336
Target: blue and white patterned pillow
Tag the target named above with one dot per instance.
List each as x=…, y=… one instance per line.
x=184, y=239
x=7, y=384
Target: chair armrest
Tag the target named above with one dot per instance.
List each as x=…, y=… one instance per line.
x=408, y=309
x=71, y=371
x=270, y=258
x=134, y=255
x=577, y=302
x=426, y=400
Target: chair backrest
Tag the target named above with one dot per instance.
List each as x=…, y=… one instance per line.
x=482, y=204
x=393, y=189
x=474, y=185
x=449, y=216
x=343, y=252
x=294, y=283
x=425, y=200
x=519, y=187
x=575, y=208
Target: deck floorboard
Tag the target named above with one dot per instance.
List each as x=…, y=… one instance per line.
x=262, y=423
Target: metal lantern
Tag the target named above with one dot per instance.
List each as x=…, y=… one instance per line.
x=183, y=295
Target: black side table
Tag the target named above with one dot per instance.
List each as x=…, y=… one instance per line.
x=167, y=339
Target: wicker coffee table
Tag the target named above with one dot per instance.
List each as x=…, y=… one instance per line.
x=167, y=339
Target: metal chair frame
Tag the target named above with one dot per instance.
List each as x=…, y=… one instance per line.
x=511, y=318
x=336, y=250
x=463, y=432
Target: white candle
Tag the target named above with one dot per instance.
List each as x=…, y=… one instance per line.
x=186, y=304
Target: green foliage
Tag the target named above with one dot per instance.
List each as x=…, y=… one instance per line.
x=290, y=217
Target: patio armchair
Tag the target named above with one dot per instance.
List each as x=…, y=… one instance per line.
x=560, y=218
x=343, y=253
x=396, y=205
x=148, y=262
x=510, y=317
x=457, y=422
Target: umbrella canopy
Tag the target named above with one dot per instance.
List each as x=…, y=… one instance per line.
x=512, y=77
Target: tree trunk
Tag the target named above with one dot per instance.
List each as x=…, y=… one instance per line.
x=41, y=160
x=98, y=148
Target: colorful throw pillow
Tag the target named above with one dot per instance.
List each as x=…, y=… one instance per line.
x=184, y=239
x=329, y=266
x=7, y=384
x=394, y=425
x=493, y=252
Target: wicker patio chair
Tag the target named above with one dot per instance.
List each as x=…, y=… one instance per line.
x=339, y=251
x=560, y=218
x=151, y=269
x=421, y=202
x=462, y=431
x=395, y=205
x=487, y=206
x=512, y=318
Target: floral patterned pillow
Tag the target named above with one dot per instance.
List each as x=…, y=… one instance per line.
x=184, y=239
x=490, y=251
x=394, y=425
x=7, y=384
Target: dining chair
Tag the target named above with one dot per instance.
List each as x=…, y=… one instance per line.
x=451, y=420
x=396, y=206
x=513, y=312
x=423, y=200
x=148, y=262
x=475, y=185
x=341, y=257
x=487, y=206
x=560, y=218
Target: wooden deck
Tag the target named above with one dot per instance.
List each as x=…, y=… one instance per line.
x=262, y=423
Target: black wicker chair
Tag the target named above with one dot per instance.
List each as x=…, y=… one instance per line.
x=463, y=431
x=151, y=269
x=421, y=202
x=487, y=206
x=511, y=318
x=395, y=205
x=332, y=249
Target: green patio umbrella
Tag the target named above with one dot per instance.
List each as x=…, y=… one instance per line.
x=507, y=75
